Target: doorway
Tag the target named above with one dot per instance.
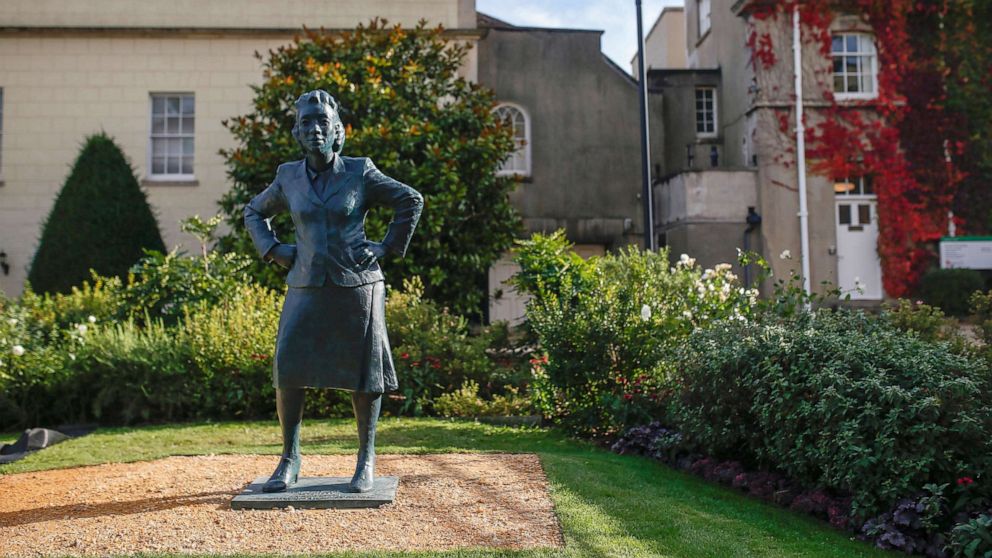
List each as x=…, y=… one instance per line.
x=859, y=270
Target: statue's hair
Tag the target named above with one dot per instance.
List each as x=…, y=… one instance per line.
x=319, y=96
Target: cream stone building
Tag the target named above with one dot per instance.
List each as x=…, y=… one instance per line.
x=159, y=77
x=664, y=45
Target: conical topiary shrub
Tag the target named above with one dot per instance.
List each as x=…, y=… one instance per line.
x=101, y=220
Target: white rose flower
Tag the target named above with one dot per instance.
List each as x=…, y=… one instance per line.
x=72, y=356
x=721, y=267
x=82, y=329
x=687, y=314
x=684, y=258
x=645, y=312
x=17, y=350
x=858, y=285
x=12, y=321
x=91, y=319
x=785, y=255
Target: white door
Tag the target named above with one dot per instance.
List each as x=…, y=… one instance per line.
x=858, y=265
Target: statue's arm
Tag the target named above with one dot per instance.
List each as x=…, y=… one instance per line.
x=268, y=203
x=406, y=203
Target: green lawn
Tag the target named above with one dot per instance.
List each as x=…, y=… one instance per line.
x=609, y=505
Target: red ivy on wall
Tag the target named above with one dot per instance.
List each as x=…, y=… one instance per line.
x=904, y=138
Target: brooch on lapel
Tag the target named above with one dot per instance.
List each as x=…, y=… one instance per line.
x=350, y=202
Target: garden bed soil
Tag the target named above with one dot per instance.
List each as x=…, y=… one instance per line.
x=183, y=505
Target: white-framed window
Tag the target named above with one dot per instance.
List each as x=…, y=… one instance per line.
x=703, y=16
x=855, y=66
x=518, y=163
x=706, y=112
x=170, y=151
x=856, y=186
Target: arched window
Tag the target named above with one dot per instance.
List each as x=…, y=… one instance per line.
x=517, y=162
x=855, y=66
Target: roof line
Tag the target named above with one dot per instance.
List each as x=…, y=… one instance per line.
x=615, y=66
x=661, y=15
x=28, y=29
x=655, y=25
x=511, y=27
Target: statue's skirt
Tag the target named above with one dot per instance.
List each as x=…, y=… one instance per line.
x=334, y=337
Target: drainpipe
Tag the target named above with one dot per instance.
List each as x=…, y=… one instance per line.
x=797, y=54
x=642, y=85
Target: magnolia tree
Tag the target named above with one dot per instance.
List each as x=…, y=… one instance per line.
x=405, y=106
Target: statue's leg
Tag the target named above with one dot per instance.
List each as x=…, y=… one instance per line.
x=367, y=407
x=289, y=404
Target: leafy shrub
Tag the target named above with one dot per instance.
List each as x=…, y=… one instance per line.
x=547, y=263
x=837, y=400
x=432, y=349
x=100, y=221
x=125, y=373
x=231, y=344
x=33, y=362
x=50, y=313
x=981, y=307
x=950, y=289
x=608, y=325
x=164, y=285
x=973, y=538
x=466, y=402
x=927, y=321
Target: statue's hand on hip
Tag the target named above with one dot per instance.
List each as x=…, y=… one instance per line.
x=370, y=253
x=283, y=254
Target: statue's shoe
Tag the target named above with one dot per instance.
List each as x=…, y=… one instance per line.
x=285, y=475
x=364, y=478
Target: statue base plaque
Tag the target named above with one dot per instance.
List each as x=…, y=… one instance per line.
x=316, y=493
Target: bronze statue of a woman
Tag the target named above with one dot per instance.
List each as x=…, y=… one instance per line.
x=332, y=331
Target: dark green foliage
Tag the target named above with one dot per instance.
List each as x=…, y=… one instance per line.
x=838, y=400
x=973, y=538
x=951, y=289
x=548, y=263
x=966, y=54
x=101, y=221
x=405, y=107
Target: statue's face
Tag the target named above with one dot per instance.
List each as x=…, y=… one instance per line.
x=315, y=129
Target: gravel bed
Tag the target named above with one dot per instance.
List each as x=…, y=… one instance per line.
x=182, y=504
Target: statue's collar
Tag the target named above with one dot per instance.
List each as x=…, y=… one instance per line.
x=337, y=166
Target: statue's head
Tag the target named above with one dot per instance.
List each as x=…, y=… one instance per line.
x=318, y=125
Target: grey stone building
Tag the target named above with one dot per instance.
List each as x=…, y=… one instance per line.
x=576, y=114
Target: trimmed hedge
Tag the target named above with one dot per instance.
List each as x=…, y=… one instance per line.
x=838, y=400
x=101, y=221
x=951, y=289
